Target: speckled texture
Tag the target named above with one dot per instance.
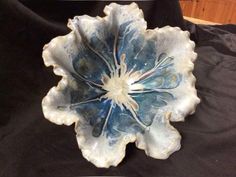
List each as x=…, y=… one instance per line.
x=121, y=83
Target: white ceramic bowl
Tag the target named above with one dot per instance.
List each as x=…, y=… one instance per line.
x=121, y=83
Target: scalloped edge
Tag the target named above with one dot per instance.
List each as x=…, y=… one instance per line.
x=50, y=113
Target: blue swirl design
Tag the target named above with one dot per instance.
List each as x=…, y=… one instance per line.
x=122, y=79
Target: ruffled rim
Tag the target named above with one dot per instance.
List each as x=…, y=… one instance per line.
x=70, y=117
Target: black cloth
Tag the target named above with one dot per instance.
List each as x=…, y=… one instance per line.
x=31, y=146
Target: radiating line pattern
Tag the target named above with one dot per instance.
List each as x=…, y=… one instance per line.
x=121, y=83
x=124, y=64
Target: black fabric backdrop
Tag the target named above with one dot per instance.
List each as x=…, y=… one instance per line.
x=31, y=146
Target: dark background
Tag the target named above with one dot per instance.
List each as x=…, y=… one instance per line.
x=31, y=146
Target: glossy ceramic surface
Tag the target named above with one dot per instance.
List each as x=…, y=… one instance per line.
x=121, y=83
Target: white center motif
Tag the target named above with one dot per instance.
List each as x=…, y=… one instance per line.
x=119, y=86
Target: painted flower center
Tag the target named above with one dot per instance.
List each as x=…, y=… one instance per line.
x=121, y=84
x=117, y=88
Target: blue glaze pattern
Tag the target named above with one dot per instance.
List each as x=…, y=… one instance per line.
x=99, y=59
x=121, y=83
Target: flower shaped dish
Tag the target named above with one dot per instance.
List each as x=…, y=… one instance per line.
x=121, y=83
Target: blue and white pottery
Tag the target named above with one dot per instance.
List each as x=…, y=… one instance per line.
x=121, y=83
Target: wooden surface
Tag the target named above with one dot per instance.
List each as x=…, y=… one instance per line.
x=199, y=21
x=219, y=11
